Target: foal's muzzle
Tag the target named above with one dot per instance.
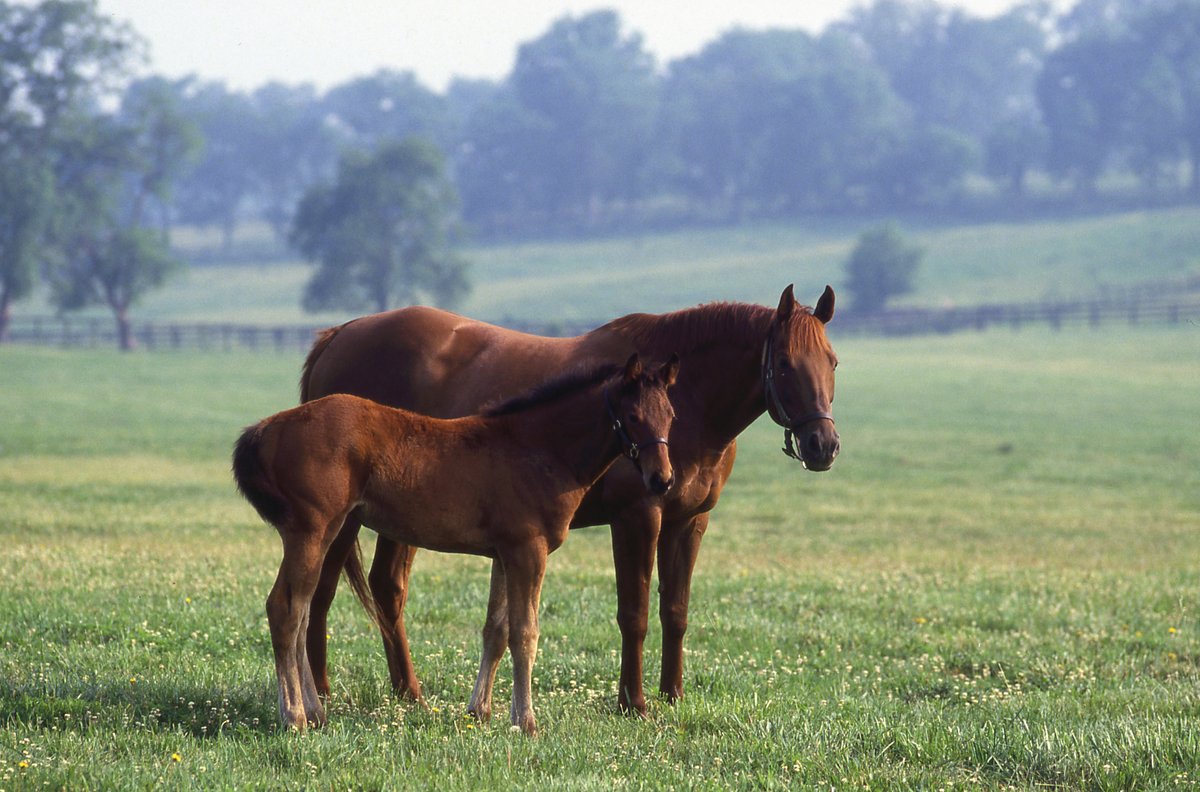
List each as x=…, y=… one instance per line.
x=659, y=484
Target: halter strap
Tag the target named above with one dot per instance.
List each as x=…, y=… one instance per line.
x=775, y=408
x=630, y=448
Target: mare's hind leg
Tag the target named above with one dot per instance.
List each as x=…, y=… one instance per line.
x=495, y=640
x=287, y=613
x=317, y=629
x=678, y=545
x=389, y=587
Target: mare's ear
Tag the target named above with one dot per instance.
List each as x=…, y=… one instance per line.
x=670, y=370
x=824, y=309
x=787, y=304
x=633, y=367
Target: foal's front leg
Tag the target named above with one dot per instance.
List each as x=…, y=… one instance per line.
x=495, y=641
x=524, y=569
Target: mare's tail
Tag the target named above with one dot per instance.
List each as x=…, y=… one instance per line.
x=323, y=338
x=252, y=479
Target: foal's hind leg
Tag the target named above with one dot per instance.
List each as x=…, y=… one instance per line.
x=287, y=612
x=495, y=641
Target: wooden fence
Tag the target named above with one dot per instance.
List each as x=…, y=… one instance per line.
x=67, y=331
x=1095, y=314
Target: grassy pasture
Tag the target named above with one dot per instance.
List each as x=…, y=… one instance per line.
x=997, y=586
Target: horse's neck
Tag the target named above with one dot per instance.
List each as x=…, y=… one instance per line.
x=721, y=346
x=572, y=433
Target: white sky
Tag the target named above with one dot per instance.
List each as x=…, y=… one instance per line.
x=247, y=43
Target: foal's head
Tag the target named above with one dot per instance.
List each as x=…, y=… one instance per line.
x=641, y=416
x=798, y=365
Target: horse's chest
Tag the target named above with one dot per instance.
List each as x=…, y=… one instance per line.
x=696, y=494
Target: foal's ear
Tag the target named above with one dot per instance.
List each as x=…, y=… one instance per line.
x=670, y=370
x=824, y=309
x=787, y=303
x=633, y=367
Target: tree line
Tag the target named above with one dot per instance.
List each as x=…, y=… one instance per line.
x=899, y=105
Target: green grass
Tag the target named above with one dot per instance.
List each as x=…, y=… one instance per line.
x=996, y=586
x=592, y=281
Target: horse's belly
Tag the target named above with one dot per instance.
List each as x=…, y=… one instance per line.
x=430, y=530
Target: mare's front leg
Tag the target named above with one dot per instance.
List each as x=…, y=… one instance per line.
x=678, y=545
x=634, y=536
x=389, y=586
x=524, y=568
x=495, y=641
x=288, y=615
x=317, y=631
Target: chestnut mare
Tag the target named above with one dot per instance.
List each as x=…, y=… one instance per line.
x=739, y=360
x=503, y=485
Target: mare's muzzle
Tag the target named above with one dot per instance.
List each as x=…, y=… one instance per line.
x=818, y=441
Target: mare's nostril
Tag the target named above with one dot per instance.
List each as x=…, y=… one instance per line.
x=813, y=445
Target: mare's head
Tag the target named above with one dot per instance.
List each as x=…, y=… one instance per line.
x=641, y=416
x=797, y=368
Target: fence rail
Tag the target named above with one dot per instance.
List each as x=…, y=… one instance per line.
x=1095, y=314
x=87, y=332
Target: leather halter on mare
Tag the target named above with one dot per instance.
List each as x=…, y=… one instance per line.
x=629, y=447
x=775, y=408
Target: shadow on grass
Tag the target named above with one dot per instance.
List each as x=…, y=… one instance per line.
x=133, y=704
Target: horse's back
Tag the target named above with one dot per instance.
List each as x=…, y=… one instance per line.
x=431, y=361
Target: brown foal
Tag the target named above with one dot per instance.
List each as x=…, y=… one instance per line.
x=503, y=484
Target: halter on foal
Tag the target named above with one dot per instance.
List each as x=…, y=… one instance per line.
x=504, y=484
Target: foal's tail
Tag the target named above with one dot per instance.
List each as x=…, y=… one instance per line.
x=252, y=479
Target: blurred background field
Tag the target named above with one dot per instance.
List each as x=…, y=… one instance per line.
x=1086, y=257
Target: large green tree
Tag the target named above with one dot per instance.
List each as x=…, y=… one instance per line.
x=118, y=172
x=58, y=59
x=383, y=233
x=26, y=206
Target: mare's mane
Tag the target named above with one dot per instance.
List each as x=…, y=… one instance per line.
x=695, y=329
x=692, y=329
x=554, y=389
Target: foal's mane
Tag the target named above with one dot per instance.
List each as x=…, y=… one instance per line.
x=695, y=328
x=552, y=390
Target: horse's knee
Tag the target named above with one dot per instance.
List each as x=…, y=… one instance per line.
x=495, y=632
x=674, y=617
x=632, y=623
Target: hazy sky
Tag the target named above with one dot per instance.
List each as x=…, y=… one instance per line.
x=247, y=43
